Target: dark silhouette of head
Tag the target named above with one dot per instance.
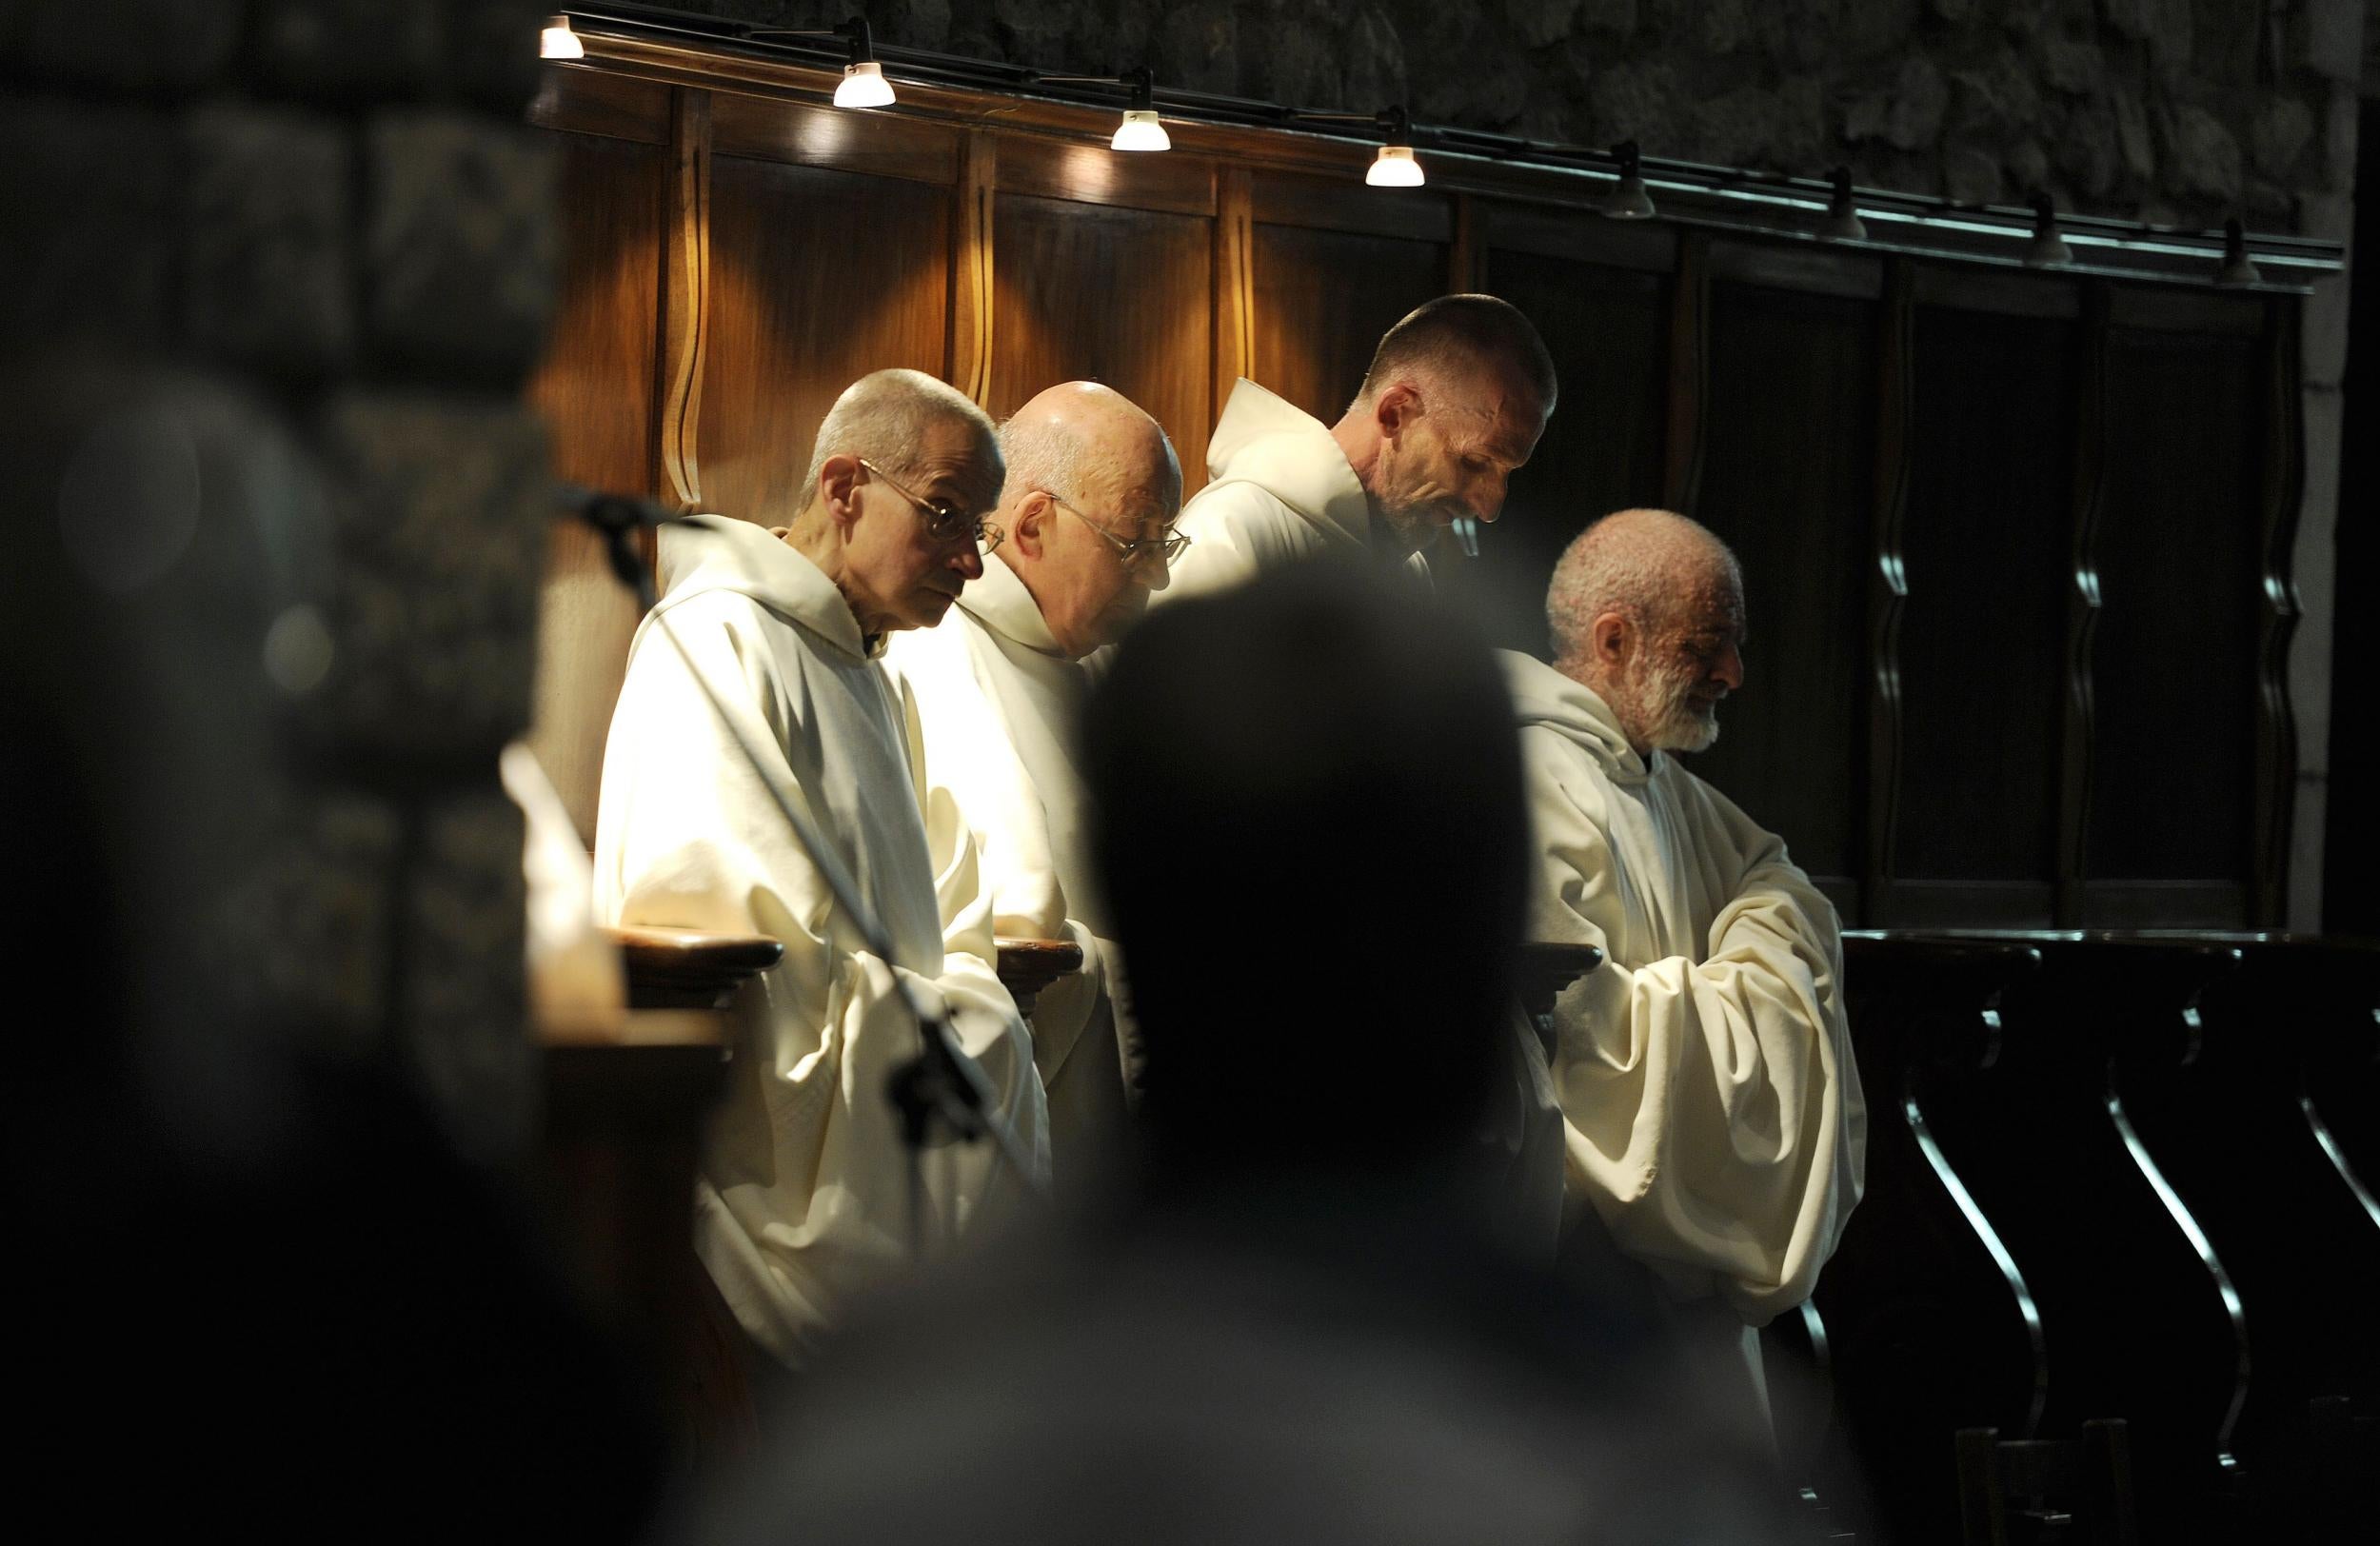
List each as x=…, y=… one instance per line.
x=1307, y=805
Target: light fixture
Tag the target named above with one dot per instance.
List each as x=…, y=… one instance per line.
x=2238, y=271
x=558, y=41
x=1843, y=214
x=1393, y=164
x=2047, y=249
x=863, y=84
x=1140, y=130
x=1627, y=199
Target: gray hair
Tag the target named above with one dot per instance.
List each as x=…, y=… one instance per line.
x=1639, y=564
x=885, y=417
x=1456, y=333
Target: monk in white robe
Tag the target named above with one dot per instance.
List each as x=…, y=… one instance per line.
x=1093, y=488
x=803, y=1198
x=1455, y=401
x=1713, y=1112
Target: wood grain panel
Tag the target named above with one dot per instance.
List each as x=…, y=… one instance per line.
x=817, y=278
x=1788, y=479
x=2174, y=668
x=594, y=101
x=1982, y=629
x=1348, y=204
x=1323, y=298
x=1608, y=330
x=595, y=391
x=1094, y=291
x=879, y=145
x=1048, y=169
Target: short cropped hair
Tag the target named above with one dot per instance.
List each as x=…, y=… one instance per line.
x=1636, y=563
x=1458, y=332
x=1045, y=455
x=885, y=416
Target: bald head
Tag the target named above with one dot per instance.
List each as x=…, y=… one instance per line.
x=889, y=416
x=1647, y=609
x=1088, y=470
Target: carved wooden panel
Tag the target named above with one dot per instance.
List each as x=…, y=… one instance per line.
x=1114, y=294
x=817, y=278
x=1608, y=329
x=2171, y=823
x=1786, y=477
x=595, y=391
x=1987, y=561
x=1323, y=298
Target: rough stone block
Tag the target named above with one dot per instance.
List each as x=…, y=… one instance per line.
x=124, y=44
x=1971, y=175
x=346, y=48
x=2083, y=143
x=2132, y=139
x=1723, y=27
x=2330, y=37
x=1536, y=23
x=1615, y=17
x=460, y=243
x=1639, y=101
x=1741, y=129
x=2339, y=121
x=87, y=245
x=307, y=931
x=2203, y=159
x=1374, y=60
x=442, y=510
x=1197, y=45
x=1998, y=100
x=2283, y=126
x=2075, y=67
x=269, y=278
x=464, y=1019
x=2027, y=166
x=491, y=47
x=1906, y=115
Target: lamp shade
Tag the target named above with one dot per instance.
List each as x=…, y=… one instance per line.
x=558, y=42
x=864, y=86
x=1395, y=167
x=1140, y=132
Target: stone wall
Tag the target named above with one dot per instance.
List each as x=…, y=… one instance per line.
x=271, y=277
x=2167, y=111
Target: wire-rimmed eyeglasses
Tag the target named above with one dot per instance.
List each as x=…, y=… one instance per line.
x=1169, y=547
x=944, y=523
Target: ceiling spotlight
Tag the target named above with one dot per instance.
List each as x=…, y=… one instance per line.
x=2239, y=269
x=1140, y=130
x=1627, y=199
x=558, y=41
x=862, y=84
x=1842, y=222
x=1393, y=164
x=2047, y=249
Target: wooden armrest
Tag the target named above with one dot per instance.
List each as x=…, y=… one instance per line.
x=1546, y=969
x=671, y=968
x=1027, y=967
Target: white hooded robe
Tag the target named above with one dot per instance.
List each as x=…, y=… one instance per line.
x=997, y=700
x=1713, y=1113
x=1279, y=492
x=801, y=1198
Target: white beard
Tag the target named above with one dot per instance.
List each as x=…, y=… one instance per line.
x=1661, y=698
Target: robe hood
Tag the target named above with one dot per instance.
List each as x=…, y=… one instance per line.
x=1001, y=601
x=1290, y=454
x=706, y=553
x=1542, y=695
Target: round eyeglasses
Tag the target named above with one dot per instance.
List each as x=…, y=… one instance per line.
x=944, y=522
x=1168, y=547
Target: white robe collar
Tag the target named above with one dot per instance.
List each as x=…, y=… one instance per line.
x=1544, y=696
x=710, y=552
x=1000, y=602
x=1292, y=455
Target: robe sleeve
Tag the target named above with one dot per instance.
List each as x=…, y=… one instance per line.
x=803, y=1201
x=1713, y=1111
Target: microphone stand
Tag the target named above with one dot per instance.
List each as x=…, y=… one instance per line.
x=940, y=1083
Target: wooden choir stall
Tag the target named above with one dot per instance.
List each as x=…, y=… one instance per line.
x=2016, y=545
